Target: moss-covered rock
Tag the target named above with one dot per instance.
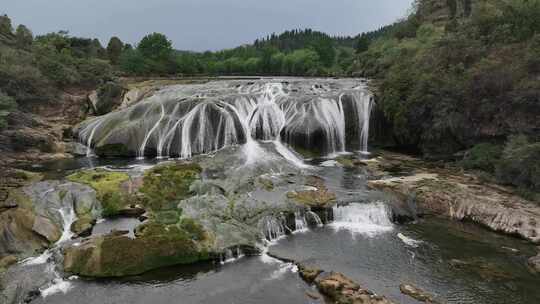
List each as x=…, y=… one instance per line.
x=108, y=187
x=156, y=245
x=113, y=150
x=320, y=196
x=165, y=185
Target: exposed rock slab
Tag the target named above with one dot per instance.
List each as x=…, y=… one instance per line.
x=458, y=196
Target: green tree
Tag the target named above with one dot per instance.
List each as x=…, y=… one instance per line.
x=5, y=25
x=114, y=49
x=24, y=37
x=133, y=62
x=155, y=46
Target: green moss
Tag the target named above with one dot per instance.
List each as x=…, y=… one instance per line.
x=167, y=217
x=165, y=185
x=194, y=230
x=107, y=185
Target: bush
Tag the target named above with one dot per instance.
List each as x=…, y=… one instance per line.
x=7, y=105
x=484, y=156
x=520, y=165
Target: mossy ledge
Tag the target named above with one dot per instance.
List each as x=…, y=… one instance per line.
x=108, y=188
x=156, y=245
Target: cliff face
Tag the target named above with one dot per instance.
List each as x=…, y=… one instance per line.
x=444, y=10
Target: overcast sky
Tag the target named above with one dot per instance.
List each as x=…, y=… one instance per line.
x=202, y=24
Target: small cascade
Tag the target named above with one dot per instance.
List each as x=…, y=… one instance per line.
x=273, y=227
x=363, y=218
x=68, y=217
x=300, y=221
x=231, y=255
x=182, y=121
x=312, y=217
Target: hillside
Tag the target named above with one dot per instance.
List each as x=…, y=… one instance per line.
x=463, y=74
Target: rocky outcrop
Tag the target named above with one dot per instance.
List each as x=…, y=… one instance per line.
x=315, y=195
x=338, y=288
x=534, y=262
x=37, y=222
x=417, y=293
x=154, y=246
x=439, y=191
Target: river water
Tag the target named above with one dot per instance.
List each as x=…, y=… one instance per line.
x=457, y=262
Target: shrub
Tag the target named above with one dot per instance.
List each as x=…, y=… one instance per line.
x=7, y=105
x=520, y=164
x=484, y=156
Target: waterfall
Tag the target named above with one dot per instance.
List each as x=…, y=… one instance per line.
x=185, y=120
x=273, y=227
x=300, y=222
x=363, y=218
x=312, y=217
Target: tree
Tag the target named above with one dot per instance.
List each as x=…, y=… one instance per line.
x=155, y=46
x=5, y=25
x=114, y=50
x=24, y=37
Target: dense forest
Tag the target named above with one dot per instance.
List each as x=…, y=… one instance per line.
x=462, y=75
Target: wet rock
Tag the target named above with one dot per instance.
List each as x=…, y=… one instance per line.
x=340, y=289
x=82, y=227
x=116, y=255
x=317, y=196
x=308, y=274
x=7, y=261
x=416, y=293
x=460, y=197
x=534, y=263
x=134, y=211
x=47, y=229
x=312, y=295
x=75, y=148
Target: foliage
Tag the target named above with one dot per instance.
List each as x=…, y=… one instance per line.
x=114, y=49
x=450, y=81
x=483, y=156
x=7, y=105
x=165, y=185
x=519, y=165
x=107, y=185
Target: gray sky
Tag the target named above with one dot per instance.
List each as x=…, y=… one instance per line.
x=202, y=24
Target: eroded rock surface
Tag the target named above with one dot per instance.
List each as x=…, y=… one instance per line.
x=456, y=195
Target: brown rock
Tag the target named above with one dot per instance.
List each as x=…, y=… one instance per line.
x=340, y=289
x=416, y=293
x=308, y=274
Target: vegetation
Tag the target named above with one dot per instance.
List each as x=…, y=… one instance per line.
x=457, y=73
x=107, y=185
x=294, y=52
x=164, y=186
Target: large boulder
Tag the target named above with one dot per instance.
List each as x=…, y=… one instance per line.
x=155, y=246
x=106, y=98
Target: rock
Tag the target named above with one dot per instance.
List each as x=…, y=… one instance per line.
x=312, y=295
x=47, y=229
x=36, y=223
x=308, y=274
x=534, y=263
x=318, y=196
x=340, y=289
x=82, y=227
x=445, y=193
x=131, y=211
x=7, y=261
x=116, y=255
x=75, y=148
x=416, y=293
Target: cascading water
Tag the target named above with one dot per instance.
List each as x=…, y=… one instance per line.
x=364, y=218
x=300, y=221
x=181, y=121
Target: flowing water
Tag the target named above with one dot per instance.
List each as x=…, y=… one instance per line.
x=270, y=119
